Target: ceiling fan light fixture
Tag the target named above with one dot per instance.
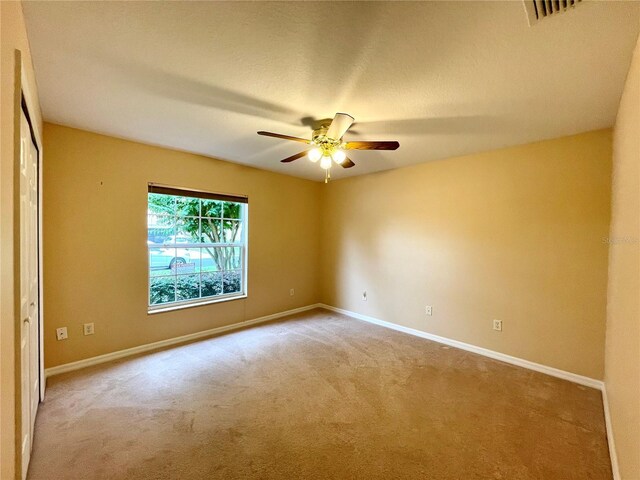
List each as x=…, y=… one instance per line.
x=339, y=156
x=325, y=162
x=327, y=146
x=314, y=154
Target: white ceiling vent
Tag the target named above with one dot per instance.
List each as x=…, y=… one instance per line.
x=540, y=9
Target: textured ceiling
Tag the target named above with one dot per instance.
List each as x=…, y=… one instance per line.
x=442, y=78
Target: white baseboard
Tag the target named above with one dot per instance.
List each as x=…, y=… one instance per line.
x=572, y=377
x=107, y=357
x=554, y=372
x=520, y=362
x=610, y=439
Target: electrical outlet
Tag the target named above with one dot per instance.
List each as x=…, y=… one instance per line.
x=88, y=329
x=61, y=333
x=292, y=292
x=364, y=296
x=429, y=310
x=497, y=325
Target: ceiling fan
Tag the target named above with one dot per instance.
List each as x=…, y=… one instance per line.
x=327, y=145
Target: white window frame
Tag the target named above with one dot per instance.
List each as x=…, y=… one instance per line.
x=243, y=245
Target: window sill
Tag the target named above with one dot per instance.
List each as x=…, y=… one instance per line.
x=181, y=306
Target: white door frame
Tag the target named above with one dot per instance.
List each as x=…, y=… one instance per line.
x=28, y=104
x=30, y=101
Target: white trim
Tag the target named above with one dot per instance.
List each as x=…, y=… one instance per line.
x=554, y=372
x=171, y=306
x=107, y=357
x=520, y=362
x=612, y=446
x=31, y=101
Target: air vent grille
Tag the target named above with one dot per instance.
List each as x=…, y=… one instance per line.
x=540, y=9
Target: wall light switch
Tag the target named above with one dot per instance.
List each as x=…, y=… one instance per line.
x=88, y=329
x=61, y=333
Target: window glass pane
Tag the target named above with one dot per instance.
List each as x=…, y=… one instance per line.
x=187, y=287
x=160, y=273
x=187, y=230
x=181, y=265
x=212, y=259
x=180, y=273
x=161, y=204
x=232, y=231
x=211, y=284
x=192, y=257
x=232, y=258
x=188, y=207
x=162, y=290
x=160, y=261
x=211, y=231
x=211, y=208
x=170, y=261
x=232, y=282
x=232, y=210
x=159, y=229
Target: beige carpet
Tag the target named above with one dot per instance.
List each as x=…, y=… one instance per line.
x=317, y=396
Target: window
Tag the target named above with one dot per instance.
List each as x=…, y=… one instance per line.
x=197, y=246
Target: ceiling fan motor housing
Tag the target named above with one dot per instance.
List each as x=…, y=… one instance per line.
x=326, y=144
x=319, y=132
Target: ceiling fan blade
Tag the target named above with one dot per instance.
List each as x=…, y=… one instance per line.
x=339, y=126
x=285, y=137
x=294, y=157
x=372, y=145
x=347, y=163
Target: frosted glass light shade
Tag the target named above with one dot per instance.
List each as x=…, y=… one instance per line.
x=325, y=162
x=314, y=154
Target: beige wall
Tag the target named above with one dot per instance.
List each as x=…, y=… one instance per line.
x=13, y=36
x=622, y=357
x=515, y=234
x=95, y=204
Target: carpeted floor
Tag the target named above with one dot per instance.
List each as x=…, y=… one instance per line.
x=317, y=396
